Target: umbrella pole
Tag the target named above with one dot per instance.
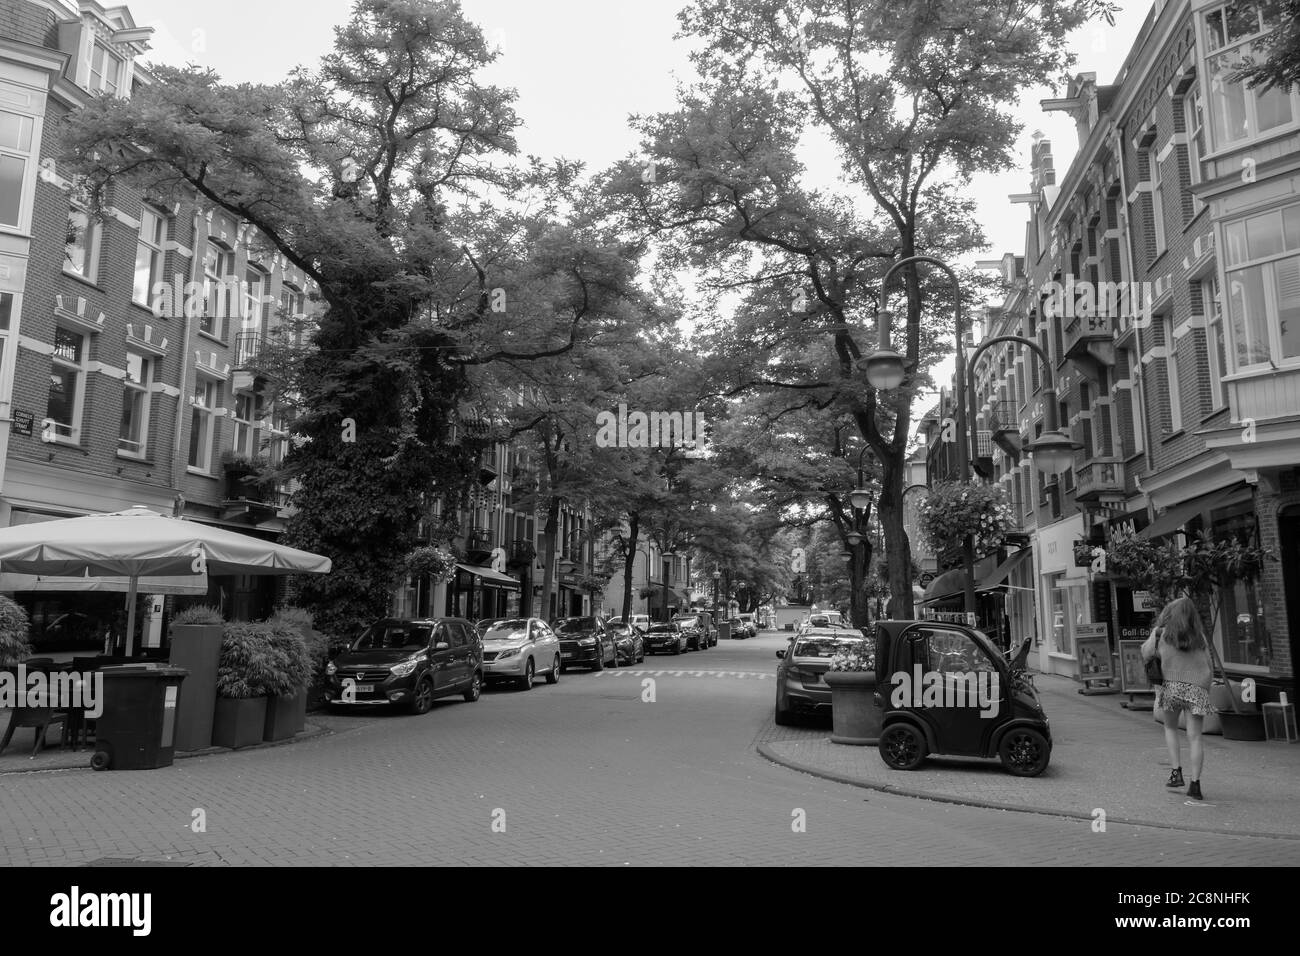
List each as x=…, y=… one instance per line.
x=130, y=615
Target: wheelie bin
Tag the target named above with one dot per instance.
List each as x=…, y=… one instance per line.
x=137, y=728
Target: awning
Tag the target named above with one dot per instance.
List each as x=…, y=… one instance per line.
x=951, y=585
x=1177, y=516
x=1003, y=571
x=490, y=578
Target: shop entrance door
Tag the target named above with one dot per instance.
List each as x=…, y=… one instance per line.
x=1288, y=527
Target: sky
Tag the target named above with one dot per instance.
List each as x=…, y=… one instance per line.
x=581, y=67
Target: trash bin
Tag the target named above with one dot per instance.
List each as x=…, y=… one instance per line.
x=724, y=631
x=137, y=728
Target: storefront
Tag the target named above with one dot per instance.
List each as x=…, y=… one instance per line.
x=1064, y=597
x=480, y=592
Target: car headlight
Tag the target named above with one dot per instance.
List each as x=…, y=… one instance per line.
x=508, y=652
x=586, y=641
x=404, y=668
x=330, y=669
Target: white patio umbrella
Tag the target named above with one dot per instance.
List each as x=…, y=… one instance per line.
x=139, y=543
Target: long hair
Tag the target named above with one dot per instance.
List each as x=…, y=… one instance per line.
x=1182, y=624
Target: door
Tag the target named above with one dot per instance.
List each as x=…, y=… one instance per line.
x=609, y=647
x=546, y=646
x=460, y=666
x=955, y=687
x=440, y=659
x=1288, y=526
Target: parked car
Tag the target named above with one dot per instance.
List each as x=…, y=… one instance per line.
x=484, y=624
x=697, y=636
x=408, y=663
x=738, y=630
x=518, y=648
x=665, y=639
x=1008, y=721
x=640, y=621
x=751, y=626
x=585, y=642
x=800, y=683
x=629, y=643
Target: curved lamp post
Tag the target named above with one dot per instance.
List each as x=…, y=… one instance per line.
x=886, y=369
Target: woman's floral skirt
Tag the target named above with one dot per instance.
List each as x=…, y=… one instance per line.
x=1178, y=695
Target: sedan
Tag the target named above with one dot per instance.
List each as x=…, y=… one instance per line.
x=585, y=642
x=517, y=649
x=697, y=638
x=665, y=638
x=800, y=684
x=628, y=641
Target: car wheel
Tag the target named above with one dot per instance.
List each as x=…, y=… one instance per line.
x=526, y=682
x=1024, y=752
x=553, y=675
x=475, y=687
x=784, y=718
x=641, y=659
x=599, y=663
x=677, y=649
x=902, y=747
x=422, y=701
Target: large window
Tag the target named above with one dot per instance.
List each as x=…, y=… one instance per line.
x=148, y=255
x=245, y=428
x=15, y=158
x=1239, y=629
x=1194, y=120
x=105, y=71
x=134, y=431
x=1135, y=401
x=219, y=301
x=1262, y=258
x=1237, y=113
x=67, y=384
x=255, y=308
x=1068, y=608
x=1157, y=199
x=81, y=253
x=1215, y=352
x=6, y=316
x=203, y=403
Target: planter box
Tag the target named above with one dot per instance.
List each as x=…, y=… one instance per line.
x=854, y=714
x=285, y=716
x=197, y=648
x=1242, y=726
x=239, y=723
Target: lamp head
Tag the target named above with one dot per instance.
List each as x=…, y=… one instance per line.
x=884, y=368
x=1053, y=452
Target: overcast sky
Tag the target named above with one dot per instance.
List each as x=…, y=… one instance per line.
x=581, y=67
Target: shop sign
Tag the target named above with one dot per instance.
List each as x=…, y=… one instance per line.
x=1142, y=601
x=22, y=423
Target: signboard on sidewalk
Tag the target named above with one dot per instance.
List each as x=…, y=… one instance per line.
x=1132, y=674
x=1092, y=648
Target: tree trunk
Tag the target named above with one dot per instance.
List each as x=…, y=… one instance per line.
x=897, y=553
x=859, y=599
x=548, y=563
x=629, y=563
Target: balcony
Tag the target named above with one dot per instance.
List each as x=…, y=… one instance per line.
x=1098, y=479
x=1089, y=338
x=520, y=553
x=478, y=540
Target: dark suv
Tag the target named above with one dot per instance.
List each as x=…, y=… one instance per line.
x=585, y=642
x=697, y=636
x=408, y=663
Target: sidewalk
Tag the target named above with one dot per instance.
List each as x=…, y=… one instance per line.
x=1103, y=757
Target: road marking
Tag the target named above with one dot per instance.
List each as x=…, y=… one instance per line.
x=758, y=675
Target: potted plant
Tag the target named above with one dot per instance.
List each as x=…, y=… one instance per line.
x=431, y=561
x=196, y=646
x=252, y=669
x=244, y=475
x=286, y=705
x=852, y=679
x=15, y=643
x=954, y=510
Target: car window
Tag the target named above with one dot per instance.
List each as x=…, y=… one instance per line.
x=953, y=652
x=506, y=631
x=458, y=636
x=393, y=635
x=819, y=646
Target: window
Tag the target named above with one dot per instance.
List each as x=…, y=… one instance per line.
x=1135, y=401
x=67, y=384
x=1194, y=123
x=6, y=315
x=81, y=254
x=203, y=403
x=293, y=310
x=1236, y=112
x=1067, y=609
x=1171, y=374
x=15, y=155
x=134, y=430
x=218, y=267
x=254, y=307
x=1157, y=199
x=148, y=255
x=245, y=430
x=105, y=71
x=1262, y=259
x=1214, y=350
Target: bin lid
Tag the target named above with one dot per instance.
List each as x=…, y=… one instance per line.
x=143, y=670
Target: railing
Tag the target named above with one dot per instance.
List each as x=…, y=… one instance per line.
x=1089, y=336
x=479, y=539
x=1101, y=476
x=521, y=551
x=247, y=346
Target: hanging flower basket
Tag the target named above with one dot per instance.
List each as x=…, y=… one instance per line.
x=592, y=583
x=431, y=562
x=953, y=510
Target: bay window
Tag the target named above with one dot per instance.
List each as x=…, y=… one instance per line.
x=15, y=161
x=1214, y=347
x=1238, y=113
x=134, y=430
x=105, y=71
x=1262, y=263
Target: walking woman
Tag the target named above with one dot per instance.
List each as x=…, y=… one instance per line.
x=1179, y=639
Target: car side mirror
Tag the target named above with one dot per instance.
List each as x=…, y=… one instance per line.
x=441, y=646
x=780, y=654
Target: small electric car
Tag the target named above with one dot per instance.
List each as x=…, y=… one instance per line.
x=946, y=689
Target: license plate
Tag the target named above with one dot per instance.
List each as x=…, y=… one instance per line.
x=365, y=688
x=568, y=654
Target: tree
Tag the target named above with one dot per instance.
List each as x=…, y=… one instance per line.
x=1279, y=66
x=916, y=98
x=385, y=175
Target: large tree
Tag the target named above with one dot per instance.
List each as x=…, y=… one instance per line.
x=916, y=98
x=386, y=175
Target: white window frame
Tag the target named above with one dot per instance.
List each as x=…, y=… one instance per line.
x=207, y=420
x=217, y=291
x=1194, y=124
x=1272, y=318
x=90, y=244
x=7, y=316
x=245, y=440
x=1135, y=402
x=149, y=242
x=27, y=156
x=108, y=77
x=1157, y=198
x=1231, y=51
x=143, y=393
x=1217, y=365
x=1171, y=374
x=256, y=282
x=70, y=434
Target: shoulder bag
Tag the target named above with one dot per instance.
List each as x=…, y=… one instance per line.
x=1155, y=673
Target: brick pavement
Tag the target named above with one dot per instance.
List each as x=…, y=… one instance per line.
x=585, y=773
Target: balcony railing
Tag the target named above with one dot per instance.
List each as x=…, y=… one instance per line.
x=247, y=346
x=479, y=539
x=1090, y=338
x=1099, y=477
x=521, y=552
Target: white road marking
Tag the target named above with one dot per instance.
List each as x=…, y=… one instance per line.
x=758, y=675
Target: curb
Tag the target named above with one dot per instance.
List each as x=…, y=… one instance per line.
x=767, y=753
x=315, y=731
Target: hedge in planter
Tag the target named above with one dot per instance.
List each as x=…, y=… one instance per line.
x=15, y=644
x=286, y=712
x=254, y=666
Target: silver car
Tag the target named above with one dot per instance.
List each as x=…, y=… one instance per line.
x=518, y=649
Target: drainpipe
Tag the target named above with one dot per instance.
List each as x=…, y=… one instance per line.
x=1138, y=374
x=177, y=468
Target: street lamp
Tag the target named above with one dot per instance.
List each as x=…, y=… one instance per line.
x=886, y=368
